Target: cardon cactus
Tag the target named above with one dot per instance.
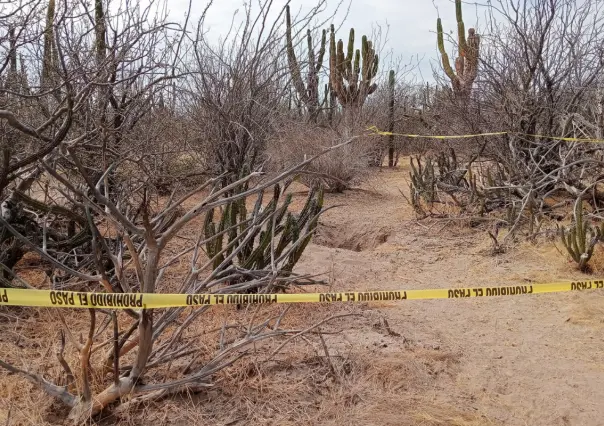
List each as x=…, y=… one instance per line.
x=329, y=103
x=50, y=56
x=100, y=30
x=309, y=92
x=581, y=239
x=423, y=180
x=351, y=75
x=466, y=64
x=244, y=240
x=391, y=84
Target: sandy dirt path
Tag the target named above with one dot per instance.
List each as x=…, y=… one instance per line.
x=534, y=360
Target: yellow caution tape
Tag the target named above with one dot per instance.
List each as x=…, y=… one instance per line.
x=72, y=299
x=376, y=131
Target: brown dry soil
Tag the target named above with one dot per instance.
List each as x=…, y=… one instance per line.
x=529, y=360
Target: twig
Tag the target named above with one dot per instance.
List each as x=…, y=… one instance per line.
x=306, y=330
x=116, y=350
x=51, y=389
x=64, y=364
x=85, y=359
x=331, y=367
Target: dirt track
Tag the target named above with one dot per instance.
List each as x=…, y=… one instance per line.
x=534, y=360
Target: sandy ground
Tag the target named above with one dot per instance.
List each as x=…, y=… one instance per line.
x=534, y=360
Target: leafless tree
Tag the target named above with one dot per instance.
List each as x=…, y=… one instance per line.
x=98, y=90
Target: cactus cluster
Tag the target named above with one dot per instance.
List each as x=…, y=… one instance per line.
x=351, y=75
x=581, y=239
x=100, y=30
x=466, y=64
x=309, y=92
x=422, y=185
x=250, y=235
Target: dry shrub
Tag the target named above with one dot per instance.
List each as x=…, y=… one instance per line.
x=304, y=387
x=337, y=170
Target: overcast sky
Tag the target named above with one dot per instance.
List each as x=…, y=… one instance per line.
x=411, y=24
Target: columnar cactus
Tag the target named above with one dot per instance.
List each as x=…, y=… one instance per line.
x=329, y=103
x=100, y=31
x=12, y=50
x=49, y=60
x=466, y=64
x=11, y=76
x=309, y=92
x=351, y=75
x=581, y=239
x=250, y=233
x=391, y=83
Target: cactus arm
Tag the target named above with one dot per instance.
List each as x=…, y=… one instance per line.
x=581, y=228
x=311, y=59
x=100, y=31
x=376, y=64
x=336, y=58
x=443, y=53
x=350, y=53
x=48, y=43
x=461, y=30
x=294, y=67
x=12, y=50
x=440, y=39
x=321, y=51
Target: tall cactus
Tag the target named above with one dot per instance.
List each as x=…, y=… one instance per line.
x=50, y=55
x=309, y=92
x=11, y=76
x=100, y=31
x=12, y=50
x=329, y=103
x=351, y=76
x=466, y=64
x=391, y=83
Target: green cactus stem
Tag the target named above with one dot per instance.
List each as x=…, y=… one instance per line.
x=100, y=31
x=391, y=84
x=252, y=235
x=309, y=92
x=49, y=55
x=352, y=75
x=466, y=65
x=581, y=239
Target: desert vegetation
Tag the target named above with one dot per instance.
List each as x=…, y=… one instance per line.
x=139, y=155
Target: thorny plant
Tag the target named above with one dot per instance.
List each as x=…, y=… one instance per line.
x=580, y=238
x=78, y=158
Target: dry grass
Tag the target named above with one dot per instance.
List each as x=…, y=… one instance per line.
x=370, y=376
x=300, y=388
x=340, y=169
